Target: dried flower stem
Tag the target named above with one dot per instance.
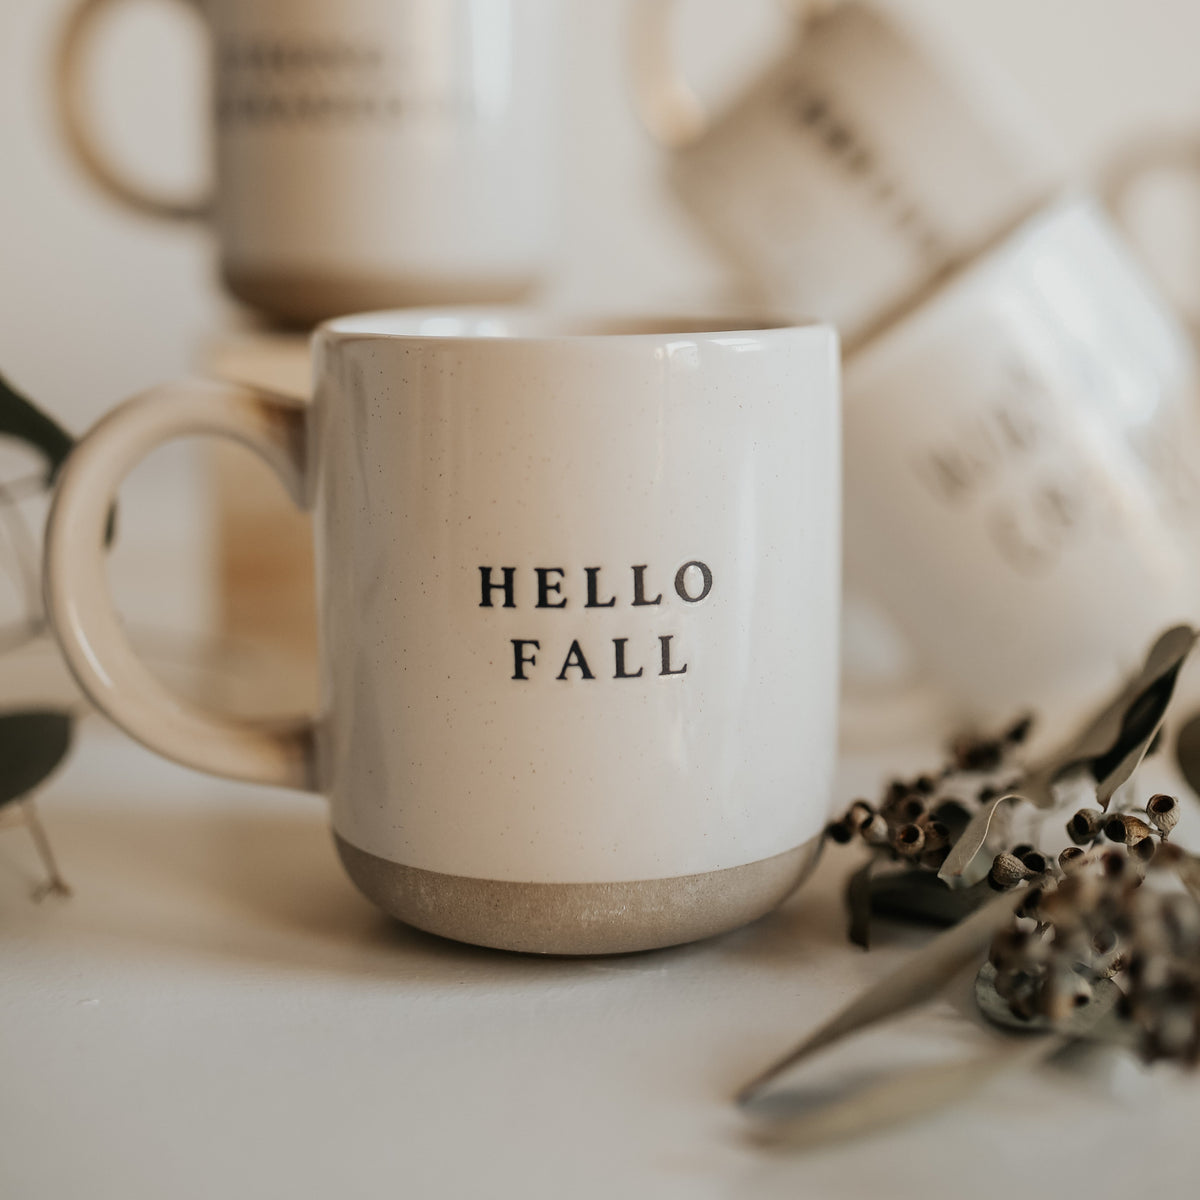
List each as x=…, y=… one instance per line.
x=55, y=884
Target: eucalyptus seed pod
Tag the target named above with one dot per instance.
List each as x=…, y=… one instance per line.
x=1128, y=829
x=840, y=832
x=1031, y=905
x=950, y=811
x=1060, y=907
x=1036, y=863
x=908, y=810
x=1072, y=859
x=1009, y=948
x=937, y=835
x=977, y=754
x=1084, y=827
x=1143, y=851
x=1019, y=730
x=909, y=840
x=1007, y=871
x=1056, y=996
x=1163, y=810
x=1114, y=866
x=876, y=832
x=1020, y=989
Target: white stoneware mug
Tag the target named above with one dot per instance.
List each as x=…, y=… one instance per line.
x=579, y=607
x=368, y=152
x=1022, y=454
x=853, y=169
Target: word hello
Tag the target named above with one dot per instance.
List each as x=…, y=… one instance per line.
x=499, y=589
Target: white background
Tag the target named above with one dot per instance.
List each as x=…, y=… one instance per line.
x=96, y=304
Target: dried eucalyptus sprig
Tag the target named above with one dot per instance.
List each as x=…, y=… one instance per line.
x=913, y=827
x=1080, y=946
x=953, y=821
x=1119, y=924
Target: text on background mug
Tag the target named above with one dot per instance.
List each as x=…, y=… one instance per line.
x=852, y=169
x=1022, y=492
x=579, y=610
x=368, y=152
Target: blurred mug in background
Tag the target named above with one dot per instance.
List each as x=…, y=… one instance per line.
x=367, y=153
x=853, y=169
x=1021, y=485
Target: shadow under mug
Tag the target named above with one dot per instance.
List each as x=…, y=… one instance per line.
x=368, y=153
x=1022, y=492
x=578, y=588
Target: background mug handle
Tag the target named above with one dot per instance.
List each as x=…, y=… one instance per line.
x=75, y=120
x=80, y=607
x=668, y=106
x=1178, y=155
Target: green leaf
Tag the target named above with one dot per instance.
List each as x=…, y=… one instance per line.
x=23, y=420
x=917, y=980
x=967, y=863
x=899, y=1097
x=1116, y=740
x=32, y=746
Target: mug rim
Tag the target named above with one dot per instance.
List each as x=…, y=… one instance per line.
x=983, y=269
x=531, y=325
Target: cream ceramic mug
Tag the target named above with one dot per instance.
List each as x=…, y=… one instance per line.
x=578, y=587
x=1022, y=487
x=863, y=161
x=367, y=152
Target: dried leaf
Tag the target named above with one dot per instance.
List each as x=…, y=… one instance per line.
x=920, y=978
x=1138, y=731
x=1187, y=752
x=858, y=904
x=902, y=1096
x=921, y=896
x=1116, y=740
x=1096, y=1020
x=32, y=745
x=21, y=419
x=967, y=863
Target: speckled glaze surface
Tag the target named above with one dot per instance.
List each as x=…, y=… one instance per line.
x=579, y=598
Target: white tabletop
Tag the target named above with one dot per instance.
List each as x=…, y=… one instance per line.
x=217, y=1013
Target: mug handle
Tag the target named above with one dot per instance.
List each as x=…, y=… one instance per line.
x=1121, y=179
x=75, y=120
x=665, y=101
x=79, y=604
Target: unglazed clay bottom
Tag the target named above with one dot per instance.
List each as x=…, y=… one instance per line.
x=577, y=918
x=304, y=298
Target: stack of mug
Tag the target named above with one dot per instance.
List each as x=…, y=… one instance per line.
x=579, y=580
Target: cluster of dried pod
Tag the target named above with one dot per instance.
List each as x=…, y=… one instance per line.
x=918, y=819
x=1106, y=913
